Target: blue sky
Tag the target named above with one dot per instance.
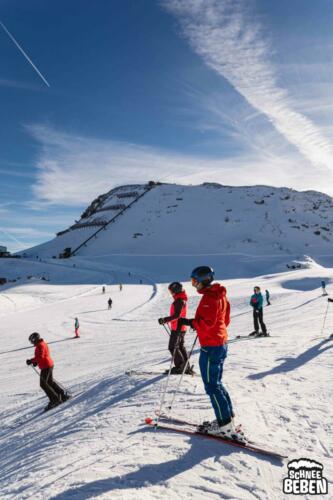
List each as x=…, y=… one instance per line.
x=231, y=91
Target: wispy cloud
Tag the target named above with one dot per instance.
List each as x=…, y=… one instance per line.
x=31, y=232
x=72, y=170
x=17, y=85
x=229, y=40
x=13, y=173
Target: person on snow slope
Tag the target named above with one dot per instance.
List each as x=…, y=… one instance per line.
x=76, y=328
x=178, y=310
x=45, y=363
x=210, y=322
x=256, y=302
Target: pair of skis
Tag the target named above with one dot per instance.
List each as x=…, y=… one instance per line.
x=189, y=428
x=254, y=336
x=157, y=373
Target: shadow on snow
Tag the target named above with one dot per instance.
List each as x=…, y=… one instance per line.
x=288, y=364
x=154, y=474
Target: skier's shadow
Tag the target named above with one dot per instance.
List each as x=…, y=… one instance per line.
x=307, y=302
x=288, y=364
x=200, y=449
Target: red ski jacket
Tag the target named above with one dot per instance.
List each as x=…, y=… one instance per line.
x=212, y=316
x=181, y=297
x=178, y=310
x=42, y=355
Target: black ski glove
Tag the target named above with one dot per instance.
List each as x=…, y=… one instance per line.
x=161, y=321
x=29, y=362
x=185, y=321
x=34, y=364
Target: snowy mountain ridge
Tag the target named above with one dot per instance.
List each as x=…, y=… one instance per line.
x=210, y=218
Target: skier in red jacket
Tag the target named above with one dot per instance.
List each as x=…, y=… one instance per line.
x=44, y=361
x=211, y=320
x=178, y=310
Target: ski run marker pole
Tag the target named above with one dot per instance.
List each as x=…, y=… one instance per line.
x=324, y=322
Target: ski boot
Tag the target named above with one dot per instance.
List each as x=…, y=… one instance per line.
x=253, y=334
x=65, y=397
x=52, y=404
x=176, y=370
x=262, y=334
x=189, y=370
x=226, y=431
x=213, y=424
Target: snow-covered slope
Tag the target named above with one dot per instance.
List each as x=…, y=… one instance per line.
x=168, y=219
x=96, y=445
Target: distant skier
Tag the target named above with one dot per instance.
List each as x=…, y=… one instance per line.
x=110, y=303
x=178, y=310
x=256, y=302
x=120, y=287
x=211, y=320
x=76, y=328
x=268, y=303
x=323, y=286
x=44, y=361
x=103, y=289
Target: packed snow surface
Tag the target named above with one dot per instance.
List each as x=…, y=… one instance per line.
x=97, y=445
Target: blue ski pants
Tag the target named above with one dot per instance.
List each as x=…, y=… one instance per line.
x=211, y=366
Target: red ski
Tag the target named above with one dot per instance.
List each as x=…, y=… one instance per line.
x=191, y=431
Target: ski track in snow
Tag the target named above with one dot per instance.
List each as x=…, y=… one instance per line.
x=97, y=446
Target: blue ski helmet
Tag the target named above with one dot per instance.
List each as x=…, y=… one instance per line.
x=175, y=287
x=203, y=274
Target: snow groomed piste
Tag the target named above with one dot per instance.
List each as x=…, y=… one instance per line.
x=98, y=441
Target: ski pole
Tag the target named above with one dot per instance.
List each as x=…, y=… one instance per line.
x=32, y=366
x=166, y=329
x=167, y=382
x=183, y=373
x=324, y=322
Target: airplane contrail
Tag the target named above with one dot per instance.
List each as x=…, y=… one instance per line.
x=25, y=55
x=6, y=233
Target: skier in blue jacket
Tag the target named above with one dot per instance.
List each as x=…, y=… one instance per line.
x=256, y=302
